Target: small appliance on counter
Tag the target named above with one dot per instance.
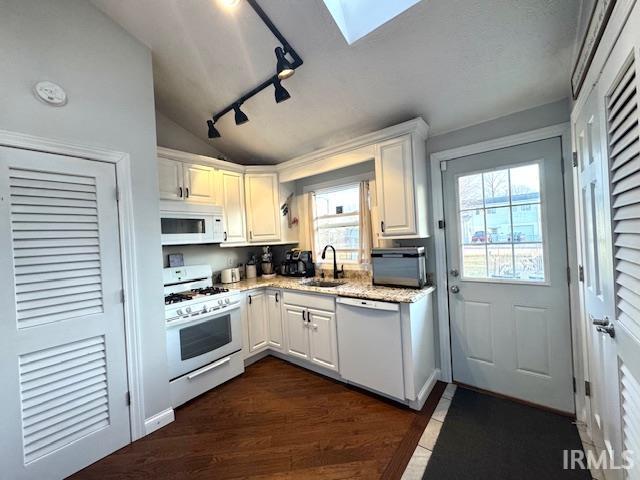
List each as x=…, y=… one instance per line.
x=251, y=268
x=266, y=263
x=230, y=275
x=399, y=267
x=298, y=263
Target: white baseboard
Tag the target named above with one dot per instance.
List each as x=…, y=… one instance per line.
x=419, y=402
x=158, y=421
x=256, y=356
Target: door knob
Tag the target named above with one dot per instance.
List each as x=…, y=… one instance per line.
x=454, y=272
x=608, y=329
x=454, y=289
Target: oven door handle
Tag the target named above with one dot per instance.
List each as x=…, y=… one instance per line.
x=217, y=364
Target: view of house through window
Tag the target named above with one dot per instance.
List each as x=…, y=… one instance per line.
x=337, y=222
x=501, y=224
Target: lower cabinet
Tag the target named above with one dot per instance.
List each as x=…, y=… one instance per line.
x=275, y=337
x=257, y=321
x=311, y=334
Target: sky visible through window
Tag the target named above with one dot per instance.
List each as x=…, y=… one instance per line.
x=357, y=18
x=500, y=218
x=337, y=222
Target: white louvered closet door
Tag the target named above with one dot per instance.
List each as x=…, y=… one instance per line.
x=620, y=94
x=62, y=344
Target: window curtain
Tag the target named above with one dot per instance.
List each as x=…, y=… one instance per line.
x=366, y=240
x=307, y=240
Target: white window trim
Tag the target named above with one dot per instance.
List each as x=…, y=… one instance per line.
x=338, y=183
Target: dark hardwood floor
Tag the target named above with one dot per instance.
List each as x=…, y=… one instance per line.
x=276, y=421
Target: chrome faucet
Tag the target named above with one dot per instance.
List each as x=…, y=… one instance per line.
x=335, y=264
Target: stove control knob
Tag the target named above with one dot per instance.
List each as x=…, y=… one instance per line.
x=220, y=302
x=179, y=311
x=188, y=309
x=227, y=301
x=204, y=309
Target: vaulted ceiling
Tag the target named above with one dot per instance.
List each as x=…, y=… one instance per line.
x=453, y=62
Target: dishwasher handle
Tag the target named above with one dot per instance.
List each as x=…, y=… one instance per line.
x=372, y=304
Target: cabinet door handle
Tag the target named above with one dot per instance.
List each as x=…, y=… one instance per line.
x=180, y=192
x=225, y=236
x=250, y=235
x=249, y=297
x=276, y=297
x=304, y=318
x=382, y=226
x=187, y=192
x=315, y=326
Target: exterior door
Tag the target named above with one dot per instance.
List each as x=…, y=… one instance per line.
x=507, y=260
x=62, y=338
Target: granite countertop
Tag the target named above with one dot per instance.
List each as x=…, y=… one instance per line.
x=353, y=287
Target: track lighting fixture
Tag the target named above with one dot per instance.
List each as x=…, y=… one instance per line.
x=241, y=117
x=281, y=93
x=213, y=131
x=284, y=69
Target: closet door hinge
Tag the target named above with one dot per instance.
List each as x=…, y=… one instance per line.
x=128, y=398
x=575, y=159
x=569, y=275
x=581, y=273
x=441, y=224
x=574, y=384
x=587, y=388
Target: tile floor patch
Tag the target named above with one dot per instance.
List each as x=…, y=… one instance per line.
x=430, y=434
x=441, y=410
x=417, y=465
x=449, y=391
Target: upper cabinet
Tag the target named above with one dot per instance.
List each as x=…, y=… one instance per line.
x=170, y=179
x=262, y=195
x=186, y=181
x=231, y=188
x=401, y=166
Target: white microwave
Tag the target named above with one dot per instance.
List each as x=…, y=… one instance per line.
x=191, y=224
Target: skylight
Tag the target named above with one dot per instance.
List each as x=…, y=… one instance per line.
x=357, y=18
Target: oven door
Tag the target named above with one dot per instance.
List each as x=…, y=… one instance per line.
x=197, y=341
x=184, y=228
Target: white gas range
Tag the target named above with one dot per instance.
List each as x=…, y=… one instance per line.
x=204, y=332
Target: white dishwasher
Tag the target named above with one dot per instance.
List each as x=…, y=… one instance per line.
x=370, y=345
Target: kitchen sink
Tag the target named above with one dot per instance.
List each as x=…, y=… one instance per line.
x=323, y=283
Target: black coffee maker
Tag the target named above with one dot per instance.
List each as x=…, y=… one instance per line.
x=298, y=263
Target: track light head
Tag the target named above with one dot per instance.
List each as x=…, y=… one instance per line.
x=241, y=117
x=281, y=93
x=213, y=131
x=283, y=67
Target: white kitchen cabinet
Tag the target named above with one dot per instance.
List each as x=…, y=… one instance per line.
x=186, y=181
x=297, y=331
x=400, y=165
x=231, y=189
x=274, y=318
x=170, y=179
x=199, y=183
x=257, y=321
x=323, y=344
x=263, y=205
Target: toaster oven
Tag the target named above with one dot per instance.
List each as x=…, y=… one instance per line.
x=399, y=267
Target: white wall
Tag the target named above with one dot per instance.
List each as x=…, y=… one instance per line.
x=108, y=78
x=172, y=135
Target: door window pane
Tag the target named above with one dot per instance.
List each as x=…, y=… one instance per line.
x=470, y=188
x=474, y=259
x=472, y=229
x=500, y=218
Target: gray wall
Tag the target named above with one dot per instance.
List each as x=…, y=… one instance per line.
x=108, y=78
x=172, y=135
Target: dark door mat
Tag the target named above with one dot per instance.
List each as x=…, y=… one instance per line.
x=485, y=437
